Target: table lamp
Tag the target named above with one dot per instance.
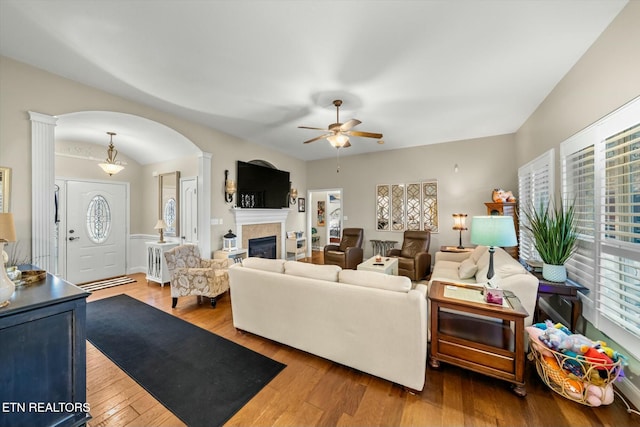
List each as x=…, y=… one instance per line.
x=492, y=231
x=160, y=225
x=7, y=234
x=459, y=224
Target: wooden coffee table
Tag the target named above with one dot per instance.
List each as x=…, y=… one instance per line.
x=488, y=346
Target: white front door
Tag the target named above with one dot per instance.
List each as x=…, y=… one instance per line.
x=95, y=232
x=189, y=210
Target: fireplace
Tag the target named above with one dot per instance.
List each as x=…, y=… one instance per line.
x=263, y=247
x=254, y=223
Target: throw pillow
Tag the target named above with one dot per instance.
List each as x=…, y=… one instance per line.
x=477, y=253
x=467, y=269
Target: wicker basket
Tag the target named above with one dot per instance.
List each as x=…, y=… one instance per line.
x=593, y=384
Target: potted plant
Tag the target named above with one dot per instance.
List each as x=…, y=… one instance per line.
x=554, y=231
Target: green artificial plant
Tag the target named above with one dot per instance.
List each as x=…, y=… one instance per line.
x=554, y=230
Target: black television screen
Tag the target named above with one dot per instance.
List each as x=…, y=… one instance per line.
x=262, y=186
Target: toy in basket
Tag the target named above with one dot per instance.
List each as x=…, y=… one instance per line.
x=574, y=366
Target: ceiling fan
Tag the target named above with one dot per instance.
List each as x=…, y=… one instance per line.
x=339, y=133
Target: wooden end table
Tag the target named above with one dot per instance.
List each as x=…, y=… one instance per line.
x=566, y=291
x=482, y=345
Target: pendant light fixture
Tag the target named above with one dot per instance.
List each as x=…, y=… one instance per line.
x=111, y=165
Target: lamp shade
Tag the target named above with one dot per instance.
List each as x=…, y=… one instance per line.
x=231, y=187
x=160, y=225
x=459, y=221
x=7, y=228
x=494, y=230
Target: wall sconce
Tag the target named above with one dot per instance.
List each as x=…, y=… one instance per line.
x=160, y=226
x=459, y=224
x=229, y=187
x=293, y=195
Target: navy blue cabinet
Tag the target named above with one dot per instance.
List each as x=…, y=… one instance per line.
x=43, y=356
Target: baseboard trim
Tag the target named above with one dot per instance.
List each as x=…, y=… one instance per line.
x=630, y=392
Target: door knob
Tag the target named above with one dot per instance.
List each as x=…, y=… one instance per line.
x=73, y=238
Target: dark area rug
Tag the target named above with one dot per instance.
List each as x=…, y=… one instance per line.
x=201, y=377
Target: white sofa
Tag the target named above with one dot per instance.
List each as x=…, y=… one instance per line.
x=365, y=320
x=472, y=268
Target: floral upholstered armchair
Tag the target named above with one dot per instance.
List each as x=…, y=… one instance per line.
x=192, y=275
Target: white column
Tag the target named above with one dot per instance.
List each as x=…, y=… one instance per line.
x=204, y=204
x=42, y=190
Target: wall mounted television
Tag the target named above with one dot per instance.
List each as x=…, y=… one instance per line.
x=261, y=186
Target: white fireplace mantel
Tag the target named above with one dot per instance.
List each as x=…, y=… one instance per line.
x=260, y=216
x=249, y=216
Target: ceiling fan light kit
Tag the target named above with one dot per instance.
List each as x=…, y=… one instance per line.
x=339, y=133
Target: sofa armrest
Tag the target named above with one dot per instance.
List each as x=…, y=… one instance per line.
x=422, y=262
x=331, y=248
x=452, y=256
x=353, y=257
x=215, y=263
x=394, y=252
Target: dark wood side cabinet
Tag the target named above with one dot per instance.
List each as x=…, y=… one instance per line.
x=507, y=209
x=43, y=356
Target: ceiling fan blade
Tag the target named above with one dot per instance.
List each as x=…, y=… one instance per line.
x=350, y=124
x=307, y=127
x=365, y=134
x=317, y=138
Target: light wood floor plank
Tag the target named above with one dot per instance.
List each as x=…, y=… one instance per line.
x=312, y=391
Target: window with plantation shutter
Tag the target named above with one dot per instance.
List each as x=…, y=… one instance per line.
x=535, y=185
x=601, y=175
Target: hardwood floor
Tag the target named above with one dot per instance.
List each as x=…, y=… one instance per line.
x=312, y=391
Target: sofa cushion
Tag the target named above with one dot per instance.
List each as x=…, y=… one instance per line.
x=273, y=265
x=467, y=269
x=477, y=253
x=312, y=271
x=373, y=279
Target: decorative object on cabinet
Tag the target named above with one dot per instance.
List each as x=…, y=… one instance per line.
x=412, y=206
x=229, y=242
x=230, y=187
x=5, y=189
x=554, y=231
x=169, y=202
x=301, y=204
x=156, y=265
x=507, y=209
x=111, y=165
x=459, y=224
x=293, y=195
x=43, y=356
x=493, y=231
x=7, y=234
x=160, y=226
x=501, y=196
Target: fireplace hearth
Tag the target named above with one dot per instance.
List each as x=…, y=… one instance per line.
x=263, y=247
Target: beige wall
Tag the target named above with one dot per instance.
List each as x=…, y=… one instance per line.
x=483, y=164
x=25, y=88
x=604, y=79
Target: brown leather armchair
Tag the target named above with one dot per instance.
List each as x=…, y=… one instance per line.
x=414, y=259
x=349, y=253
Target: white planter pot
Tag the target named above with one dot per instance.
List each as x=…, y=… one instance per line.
x=554, y=273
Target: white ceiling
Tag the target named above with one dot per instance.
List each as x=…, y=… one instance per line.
x=420, y=72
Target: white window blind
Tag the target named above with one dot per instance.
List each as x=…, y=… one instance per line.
x=535, y=186
x=578, y=172
x=601, y=173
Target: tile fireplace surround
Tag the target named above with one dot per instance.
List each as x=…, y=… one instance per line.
x=253, y=223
